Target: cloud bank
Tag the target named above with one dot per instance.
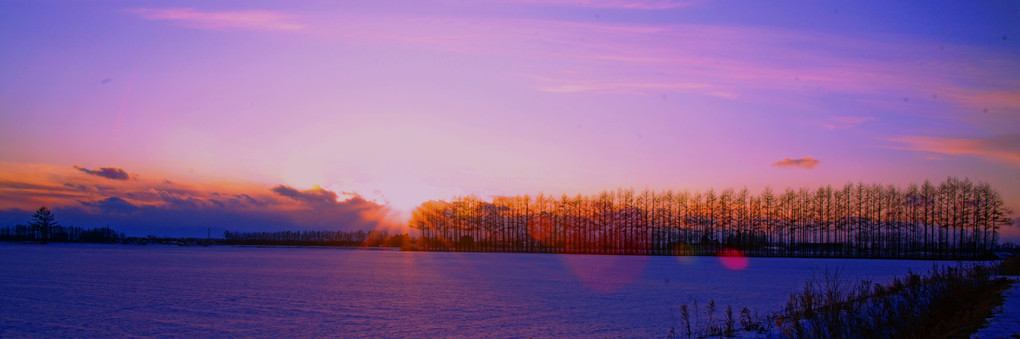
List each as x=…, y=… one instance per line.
x=158, y=206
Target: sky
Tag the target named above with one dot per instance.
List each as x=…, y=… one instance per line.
x=176, y=117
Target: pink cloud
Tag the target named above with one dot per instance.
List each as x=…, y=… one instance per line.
x=1005, y=99
x=996, y=108
x=1005, y=149
x=805, y=163
x=244, y=20
x=581, y=83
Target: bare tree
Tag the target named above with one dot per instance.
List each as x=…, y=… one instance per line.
x=955, y=219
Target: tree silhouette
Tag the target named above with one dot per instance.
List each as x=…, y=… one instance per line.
x=42, y=222
x=953, y=219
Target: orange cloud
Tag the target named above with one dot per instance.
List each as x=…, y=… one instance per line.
x=805, y=163
x=1005, y=149
x=245, y=20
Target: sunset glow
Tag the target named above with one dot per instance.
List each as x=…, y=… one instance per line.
x=348, y=115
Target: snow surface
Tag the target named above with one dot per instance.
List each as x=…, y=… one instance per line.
x=65, y=290
x=1006, y=322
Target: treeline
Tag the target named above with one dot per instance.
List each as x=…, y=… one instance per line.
x=60, y=234
x=43, y=228
x=954, y=219
x=375, y=238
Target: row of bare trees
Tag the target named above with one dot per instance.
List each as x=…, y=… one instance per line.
x=954, y=219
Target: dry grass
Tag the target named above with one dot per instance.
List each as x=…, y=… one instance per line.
x=1010, y=266
x=947, y=302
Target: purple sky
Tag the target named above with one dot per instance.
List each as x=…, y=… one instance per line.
x=399, y=102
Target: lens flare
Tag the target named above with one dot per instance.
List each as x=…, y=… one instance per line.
x=733, y=259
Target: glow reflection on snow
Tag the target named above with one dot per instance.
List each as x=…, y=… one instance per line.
x=606, y=273
x=684, y=256
x=733, y=259
x=686, y=259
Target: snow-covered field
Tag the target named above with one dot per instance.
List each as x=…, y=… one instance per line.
x=60, y=290
x=1005, y=321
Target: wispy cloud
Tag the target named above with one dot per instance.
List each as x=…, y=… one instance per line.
x=805, y=163
x=113, y=173
x=242, y=20
x=624, y=4
x=997, y=100
x=582, y=83
x=1005, y=149
x=761, y=63
x=843, y=122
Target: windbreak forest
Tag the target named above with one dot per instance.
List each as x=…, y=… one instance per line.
x=955, y=219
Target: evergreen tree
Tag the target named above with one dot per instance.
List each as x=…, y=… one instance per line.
x=42, y=222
